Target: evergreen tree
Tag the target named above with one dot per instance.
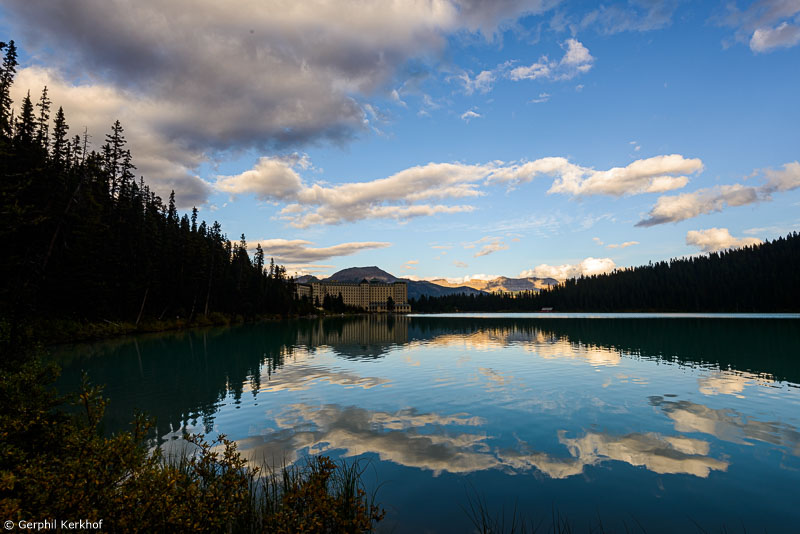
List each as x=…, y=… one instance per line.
x=43, y=120
x=7, y=71
x=60, y=148
x=25, y=127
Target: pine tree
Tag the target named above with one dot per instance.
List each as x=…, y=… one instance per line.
x=77, y=151
x=43, y=120
x=60, y=149
x=25, y=127
x=116, y=143
x=7, y=71
x=172, y=211
x=258, y=259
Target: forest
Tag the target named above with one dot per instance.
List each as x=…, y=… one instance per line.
x=86, y=240
x=758, y=278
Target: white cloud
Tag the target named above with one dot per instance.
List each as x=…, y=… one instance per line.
x=687, y=205
x=636, y=15
x=587, y=267
x=407, y=193
x=396, y=197
x=714, y=239
x=482, y=83
x=271, y=178
x=765, y=24
x=395, y=96
x=782, y=180
x=651, y=175
x=542, y=98
x=460, y=264
x=784, y=35
x=469, y=115
x=296, y=270
x=488, y=245
x=298, y=251
x=626, y=244
x=576, y=60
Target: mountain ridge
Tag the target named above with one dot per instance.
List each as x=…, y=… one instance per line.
x=416, y=288
x=502, y=284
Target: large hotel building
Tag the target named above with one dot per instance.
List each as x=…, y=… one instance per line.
x=369, y=296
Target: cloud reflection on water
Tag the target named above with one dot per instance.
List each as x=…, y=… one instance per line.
x=545, y=345
x=728, y=424
x=428, y=441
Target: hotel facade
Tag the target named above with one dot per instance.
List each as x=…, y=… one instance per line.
x=369, y=296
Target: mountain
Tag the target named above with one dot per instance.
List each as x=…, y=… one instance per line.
x=416, y=288
x=357, y=274
x=503, y=284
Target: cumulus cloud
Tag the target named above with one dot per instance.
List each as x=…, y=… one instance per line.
x=482, y=82
x=576, y=60
x=401, y=196
x=587, y=267
x=294, y=251
x=779, y=181
x=687, y=205
x=652, y=175
x=784, y=35
x=765, y=24
x=271, y=178
x=469, y=115
x=409, y=192
x=714, y=239
x=460, y=264
x=200, y=79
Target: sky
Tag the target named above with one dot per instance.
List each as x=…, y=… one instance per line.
x=442, y=138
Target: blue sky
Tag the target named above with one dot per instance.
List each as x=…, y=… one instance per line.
x=445, y=138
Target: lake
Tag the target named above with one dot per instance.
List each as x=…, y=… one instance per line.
x=667, y=422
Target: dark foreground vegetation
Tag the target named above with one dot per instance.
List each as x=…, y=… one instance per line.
x=87, y=244
x=760, y=278
x=57, y=464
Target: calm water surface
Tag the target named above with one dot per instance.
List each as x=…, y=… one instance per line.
x=666, y=421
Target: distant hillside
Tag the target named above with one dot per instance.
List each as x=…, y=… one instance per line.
x=503, y=284
x=416, y=288
x=716, y=282
x=357, y=274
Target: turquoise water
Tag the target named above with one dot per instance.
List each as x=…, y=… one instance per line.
x=668, y=422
